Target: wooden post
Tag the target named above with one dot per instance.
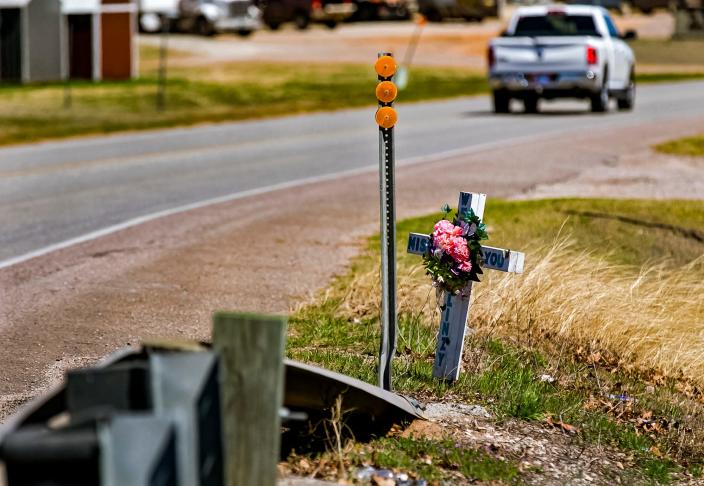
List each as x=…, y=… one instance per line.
x=251, y=348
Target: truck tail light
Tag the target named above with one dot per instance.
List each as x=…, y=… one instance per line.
x=592, y=57
x=490, y=57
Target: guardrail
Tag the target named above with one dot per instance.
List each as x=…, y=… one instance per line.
x=175, y=414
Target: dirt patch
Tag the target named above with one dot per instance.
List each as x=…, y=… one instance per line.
x=548, y=452
x=644, y=174
x=545, y=454
x=425, y=430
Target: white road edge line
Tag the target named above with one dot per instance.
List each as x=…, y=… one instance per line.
x=263, y=190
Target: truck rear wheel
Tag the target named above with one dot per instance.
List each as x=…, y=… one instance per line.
x=628, y=98
x=501, y=101
x=530, y=103
x=600, y=99
x=204, y=27
x=365, y=11
x=301, y=20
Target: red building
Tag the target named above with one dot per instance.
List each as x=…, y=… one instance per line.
x=100, y=39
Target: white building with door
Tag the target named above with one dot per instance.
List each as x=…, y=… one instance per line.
x=50, y=40
x=30, y=41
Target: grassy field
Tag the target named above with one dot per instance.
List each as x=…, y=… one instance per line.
x=667, y=77
x=669, y=52
x=221, y=92
x=689, y=146
x=611, y=305
x=206, y=94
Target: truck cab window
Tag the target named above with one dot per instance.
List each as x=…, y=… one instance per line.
x=611, y=27
x=555, y=25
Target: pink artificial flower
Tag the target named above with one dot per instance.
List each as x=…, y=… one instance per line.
x=457, y=248
x=448, y=238
x=445, y=227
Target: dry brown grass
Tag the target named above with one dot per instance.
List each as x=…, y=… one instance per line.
x=651, y=320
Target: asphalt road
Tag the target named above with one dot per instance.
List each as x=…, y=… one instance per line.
x=54, y=193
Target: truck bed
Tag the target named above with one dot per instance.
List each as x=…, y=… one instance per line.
x=539, y=54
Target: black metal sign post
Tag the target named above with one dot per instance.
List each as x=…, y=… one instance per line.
x=386, y=118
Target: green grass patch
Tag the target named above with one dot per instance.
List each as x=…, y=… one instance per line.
x=659, y=471
x=668, y=77
x=341, y=333
x=437, y=458
x=696, y=470
x=689, y=146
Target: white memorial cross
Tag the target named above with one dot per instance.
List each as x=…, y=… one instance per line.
x=448, y=355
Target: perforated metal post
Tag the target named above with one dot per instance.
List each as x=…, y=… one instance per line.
x=386, y=118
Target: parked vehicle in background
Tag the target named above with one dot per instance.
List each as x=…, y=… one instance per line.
x=561, y=52
x=277, y=12
x=469, y=10
x=384, y=10
x=303, y=12
x=332, y=12
x=204, y=17
x=649, y=6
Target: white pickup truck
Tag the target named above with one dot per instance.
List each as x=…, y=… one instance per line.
x=562, y=51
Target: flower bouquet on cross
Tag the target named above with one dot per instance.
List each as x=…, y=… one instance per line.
x=454, y=255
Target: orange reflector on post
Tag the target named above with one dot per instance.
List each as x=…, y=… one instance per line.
x=385, y=66
x=386, y=117
x=386, y=91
